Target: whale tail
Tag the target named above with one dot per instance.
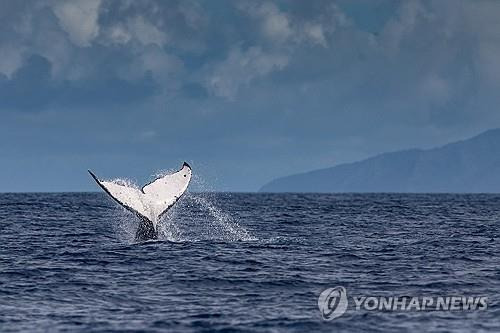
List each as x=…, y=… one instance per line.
x=150, y=202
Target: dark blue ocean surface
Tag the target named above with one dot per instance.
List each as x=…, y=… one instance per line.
x=246, y=262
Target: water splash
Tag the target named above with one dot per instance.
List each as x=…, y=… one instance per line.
x=222, y=224
x=124, y=224
x=195, y=217
x=198, y=217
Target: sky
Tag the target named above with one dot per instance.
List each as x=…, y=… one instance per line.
x=244, y=91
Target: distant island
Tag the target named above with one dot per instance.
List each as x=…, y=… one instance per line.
x=471, y=165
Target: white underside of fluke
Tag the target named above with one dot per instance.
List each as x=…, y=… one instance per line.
x=153, y=199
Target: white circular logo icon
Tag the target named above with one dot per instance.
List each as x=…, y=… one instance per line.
x=332, y=302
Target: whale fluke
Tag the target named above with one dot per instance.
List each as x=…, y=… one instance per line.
x=150, y=202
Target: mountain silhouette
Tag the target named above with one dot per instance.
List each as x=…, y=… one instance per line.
x=471, y=165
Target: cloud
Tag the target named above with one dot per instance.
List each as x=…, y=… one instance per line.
x=139, y=29
x=79, y=19
x=177, y=24
x=274, y=23
x=482, y=22
x=241, y=68
x=230, y=49
x=29, y=86
x=147, y=135
x=10, y=59
x=32, y=88
x=315, y=33
x=436, y=89
x=410, y=14
x=279, y=26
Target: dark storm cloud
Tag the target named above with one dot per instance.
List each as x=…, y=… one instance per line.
x=32, y=88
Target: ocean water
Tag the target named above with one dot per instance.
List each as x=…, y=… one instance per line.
x=246, y=262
